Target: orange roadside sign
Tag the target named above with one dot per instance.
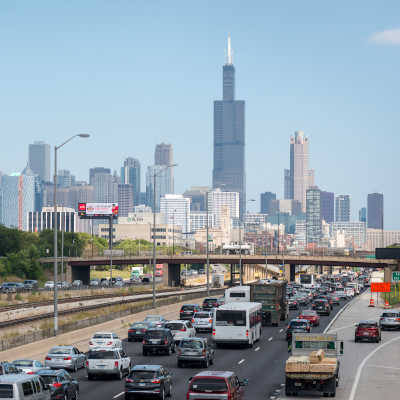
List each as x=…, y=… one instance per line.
x=380, y=287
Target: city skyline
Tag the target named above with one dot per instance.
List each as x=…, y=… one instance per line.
x=95, y=96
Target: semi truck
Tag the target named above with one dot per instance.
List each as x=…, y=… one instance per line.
x=137, y=271
x=272, y=295
x=313, y=364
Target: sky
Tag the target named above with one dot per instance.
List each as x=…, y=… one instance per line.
x=133, y=73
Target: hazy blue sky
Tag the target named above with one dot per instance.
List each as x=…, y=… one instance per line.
x=127, y=71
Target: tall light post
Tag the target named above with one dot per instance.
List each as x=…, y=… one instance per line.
x=154, y=234
x=83, y=135
x=208, y=256
x=240, y=241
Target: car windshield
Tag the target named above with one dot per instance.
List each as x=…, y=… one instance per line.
x=140, y=325
x=191, y=344
x=60, y=351
x=27, y=282
x=297, y=324
x=6, y=391
x=365, y=325
x=101, y=336
x=188, y=308
x=210, y=301
x=101, y=354
x=156, y=319
x=320, y=302
x=23, y=363
x=143, y=375
x=49, y=283
x=202, y=315
x=174, y=326
x=49, y=380
x=390, y=315
x=209, y=384
x=154, y=334
x=308, y=313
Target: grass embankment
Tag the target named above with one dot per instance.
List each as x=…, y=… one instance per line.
x=393, y=296
x=106, y=274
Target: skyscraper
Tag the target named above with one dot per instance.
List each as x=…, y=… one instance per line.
x=362, y=214
x=105, y=188
x=64, y=178
x=265, y=199
x=343, y=209
x=163, y=183
x=375, y=210
x=164, y=155
x=313, y=214
x=176, y=210
x=1, y=200
x=130, y=173
x=97, y=170
x=39, y=160
x=229, y=135
x=328, y=206
x=299, y=173
x=218, y=199
x=125, y=199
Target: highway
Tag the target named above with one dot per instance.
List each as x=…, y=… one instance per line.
x=263, y=364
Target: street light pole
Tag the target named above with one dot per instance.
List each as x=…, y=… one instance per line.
x=84, y=135
x=240, y=242
x=208, y=256
x=154, y=234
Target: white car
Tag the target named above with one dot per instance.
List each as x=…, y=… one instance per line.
x=181, y=329
x=105, y=339
x=49, y=285
x=349, y=291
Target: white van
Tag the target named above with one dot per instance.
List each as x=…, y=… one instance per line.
x=24, y=387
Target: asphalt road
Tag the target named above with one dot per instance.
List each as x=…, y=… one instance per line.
x=263, y=364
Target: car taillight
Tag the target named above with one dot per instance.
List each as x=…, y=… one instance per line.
x=183, y=330
x=181, y=311
x=166, y=341
x=195, y=310
x=204, y=304
x=131, y=330
x=156, y=381
x=143, y=330
x=67, y=358
x=192, y=320
x=109, y=343
x=49, y=358
x=87, y=364
x=116, y=364
x=210, y=320
x=91, y=343
x=129, y=380
x=144, y=342
x=57, y=384
x=203, y=353
x=313, y=305
x=215, y=304
x=247, y=332
x=179, y=352
x=213, y=332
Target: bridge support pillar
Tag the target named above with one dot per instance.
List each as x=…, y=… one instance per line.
x=329, y=269
x=171, y=274
x=75, y=273
x=387, y=274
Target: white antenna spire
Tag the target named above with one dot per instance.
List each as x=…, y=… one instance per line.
x=229, y=56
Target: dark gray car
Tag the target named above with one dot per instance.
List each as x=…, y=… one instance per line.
x=195, y=350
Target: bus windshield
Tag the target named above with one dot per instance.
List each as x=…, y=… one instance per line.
x=307, y=279
x=230, y=318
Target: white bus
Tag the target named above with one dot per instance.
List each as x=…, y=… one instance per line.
x=237, y=294
x=237, y=323
x=307, y=280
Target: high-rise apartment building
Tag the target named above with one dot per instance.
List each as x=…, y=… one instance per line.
x=97, y=170
x=343, y=209
x=354, y=232
x=164, y=155
x=328, y=206
x=163, y=185
x=313, y=214
x=299, y=176
x=125, y=199
x=218, y=199
x=130, y=173
x=362, y=214
x=265, y=199
x=176, y=210
x=39, y=160
x=375, y=211
x=229, y=135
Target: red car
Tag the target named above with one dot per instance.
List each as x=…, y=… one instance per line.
x=368, y=330
x=216, y=385
x=311, y=315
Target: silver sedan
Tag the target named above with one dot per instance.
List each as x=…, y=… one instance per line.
x=66, y=357
x=29, y=366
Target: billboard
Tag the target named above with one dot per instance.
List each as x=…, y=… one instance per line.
x=387, y=253
x=97, y=210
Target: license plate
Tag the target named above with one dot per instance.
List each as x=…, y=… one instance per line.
x=137, y=332
x=57, y=359
x=99, y=342
x=142, y=384
x=319, y=307
x=201, y=322
x=191, y=353
x=366, y=333
x=297, y=384
x=101, y=366
x=154, y=341
x=187, y=312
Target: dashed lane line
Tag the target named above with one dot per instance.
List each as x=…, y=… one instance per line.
x=120, y=394
x=281, y=330
x=379, y=366
x=270, y=339
x=258, y=348
x=241, y=361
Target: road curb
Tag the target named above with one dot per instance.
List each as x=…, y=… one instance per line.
x=340, y=312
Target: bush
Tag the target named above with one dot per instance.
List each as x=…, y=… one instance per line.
x=18, y=297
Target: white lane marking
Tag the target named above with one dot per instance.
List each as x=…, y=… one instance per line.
x=270, y=339
x=241, y=361
x=258, y=348
x=357, y=378
x=118, y=395
x=281, y=330
x=379, y=366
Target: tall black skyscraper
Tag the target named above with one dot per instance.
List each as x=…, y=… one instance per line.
x=229, y=135
x=375, y=211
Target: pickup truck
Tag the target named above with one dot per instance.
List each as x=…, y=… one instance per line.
x=313, y=364
x=107, y=361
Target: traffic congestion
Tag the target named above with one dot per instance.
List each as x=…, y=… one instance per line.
x=221, y=346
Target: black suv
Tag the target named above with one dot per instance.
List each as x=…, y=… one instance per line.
x=321, y=306
x=327, y=298
x=188, y=310
x=62, y=385
x=158, y=339
x=148, y=381
x=296, y=324
x=210, y=303
x=8, y=368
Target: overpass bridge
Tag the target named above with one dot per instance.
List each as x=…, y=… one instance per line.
x=253, y=265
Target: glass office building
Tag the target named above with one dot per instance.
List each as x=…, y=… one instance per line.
x=130, y=174
x=163, y=185
x=39, y=160
x=229, y=136
x=313, y=214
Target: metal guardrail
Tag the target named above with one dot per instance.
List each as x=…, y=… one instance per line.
x=28, y=338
